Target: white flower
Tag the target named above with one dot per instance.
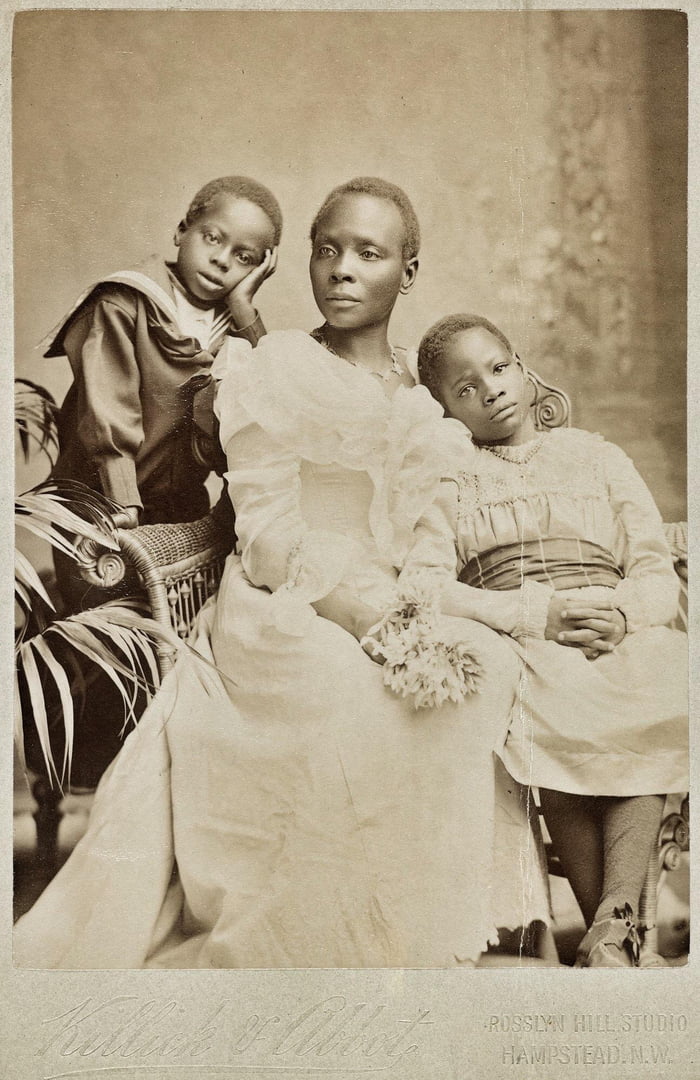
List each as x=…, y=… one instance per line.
x=418, y=662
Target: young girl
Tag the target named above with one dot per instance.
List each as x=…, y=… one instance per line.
x=313, y=819
x=561, y=532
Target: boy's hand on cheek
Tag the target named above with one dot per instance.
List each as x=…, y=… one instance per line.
x=240, y=299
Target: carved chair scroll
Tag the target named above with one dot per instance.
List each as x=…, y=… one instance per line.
x=178, y=567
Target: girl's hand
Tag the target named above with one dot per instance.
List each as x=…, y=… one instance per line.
x=556, y=622
x=240, y=299
x=594, y=627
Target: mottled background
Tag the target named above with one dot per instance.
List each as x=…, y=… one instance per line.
x=545, y=153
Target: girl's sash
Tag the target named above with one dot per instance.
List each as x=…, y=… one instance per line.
x=563, y=563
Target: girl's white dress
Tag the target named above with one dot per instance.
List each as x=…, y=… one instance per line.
x=617, y=725
x=294, y=812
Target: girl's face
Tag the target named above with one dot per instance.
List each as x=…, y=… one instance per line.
x=357, y=265
x=222, y=246
x=485, y=387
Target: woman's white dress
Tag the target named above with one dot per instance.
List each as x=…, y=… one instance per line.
x=617, y=725
x=295, y=813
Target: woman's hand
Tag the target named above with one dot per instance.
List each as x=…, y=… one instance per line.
x=342, y=606
x=365, y=637
x=240, y=299
x=595, y=627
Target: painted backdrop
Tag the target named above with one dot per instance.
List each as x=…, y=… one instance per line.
x=544, y=152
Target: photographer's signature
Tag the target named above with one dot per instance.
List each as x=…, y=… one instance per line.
x=162, y=1036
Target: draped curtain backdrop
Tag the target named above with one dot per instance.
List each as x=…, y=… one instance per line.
x=545, y=153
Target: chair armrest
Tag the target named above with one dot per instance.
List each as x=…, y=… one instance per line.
x=164, y=550
x=178, y=565
x=175, y=549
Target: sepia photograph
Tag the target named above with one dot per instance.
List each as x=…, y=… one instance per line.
x=351, y=667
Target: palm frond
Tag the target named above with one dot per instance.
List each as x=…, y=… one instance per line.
x=36, y=413
x=18, y=728
x=58, y=674
x=123, y=643
x=35, y=688
x=27, y=581
x=58, y=512
x=64, y=517
x=116, y=638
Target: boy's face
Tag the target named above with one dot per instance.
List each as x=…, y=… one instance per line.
x=357, y=266
x=485, y=387
x=222, y=246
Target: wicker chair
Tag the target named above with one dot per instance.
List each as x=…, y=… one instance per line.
x=177, y=567
x=180, y=566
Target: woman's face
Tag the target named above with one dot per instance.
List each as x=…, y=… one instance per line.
x=484, y=386
x=357, y=265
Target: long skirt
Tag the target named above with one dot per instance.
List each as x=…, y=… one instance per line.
x=288, y=810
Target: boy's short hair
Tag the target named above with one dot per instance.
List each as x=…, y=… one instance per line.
x=432, y=347
x=380, y=189
x=241, y=187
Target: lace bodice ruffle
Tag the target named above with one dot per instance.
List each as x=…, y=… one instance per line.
x=328, y=412
x=291, y=404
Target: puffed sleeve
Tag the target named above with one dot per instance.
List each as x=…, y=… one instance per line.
x=285, y=404
x=279, y=550
x=277, y=547
x=648, y=595
x=519, y=612
x=100, y=347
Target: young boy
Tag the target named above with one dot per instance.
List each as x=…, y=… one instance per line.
x=140, y=344
x=137, y=341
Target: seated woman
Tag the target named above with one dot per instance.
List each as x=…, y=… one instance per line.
x=558, y=544
x=313, y=817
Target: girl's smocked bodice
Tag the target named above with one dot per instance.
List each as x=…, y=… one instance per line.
x=572, y=484
x=565, y=484
x=557, y=485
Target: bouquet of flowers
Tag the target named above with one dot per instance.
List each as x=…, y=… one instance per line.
x=418, y=660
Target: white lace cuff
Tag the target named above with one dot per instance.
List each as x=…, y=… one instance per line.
x=420, y=661
x=317, y=562
x=534, y=606
x=648, y=601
